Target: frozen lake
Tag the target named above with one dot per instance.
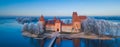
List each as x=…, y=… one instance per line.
x=10, y=36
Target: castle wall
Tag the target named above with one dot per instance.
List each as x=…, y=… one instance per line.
x=50, y=27
x=77, y=26
x=66, y=28
x=57, y=27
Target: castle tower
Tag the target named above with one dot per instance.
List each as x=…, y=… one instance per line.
x=54, y=19
x=42, y=20
x=58, y=25
x=76, y=22
x=74, y=16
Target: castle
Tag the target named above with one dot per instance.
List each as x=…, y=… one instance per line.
x=60, y=26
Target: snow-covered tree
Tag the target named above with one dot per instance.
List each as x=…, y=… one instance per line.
x=25, y=27
x=31, y=28
x=40, y=28
x=101, y=27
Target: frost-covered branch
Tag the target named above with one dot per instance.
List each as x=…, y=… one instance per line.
x=101, y=27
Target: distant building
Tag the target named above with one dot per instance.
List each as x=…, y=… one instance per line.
x=58, y=25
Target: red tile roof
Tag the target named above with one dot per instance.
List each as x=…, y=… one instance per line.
x=42, y=18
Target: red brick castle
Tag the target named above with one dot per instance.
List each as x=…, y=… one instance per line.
x=58, y=25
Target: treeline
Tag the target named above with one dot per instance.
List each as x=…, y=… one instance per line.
x=101, y=27
x=23, y=20
x=33, y=28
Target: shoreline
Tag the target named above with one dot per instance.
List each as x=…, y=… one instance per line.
x=67, y=36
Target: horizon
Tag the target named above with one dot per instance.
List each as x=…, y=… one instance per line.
x=59, y=7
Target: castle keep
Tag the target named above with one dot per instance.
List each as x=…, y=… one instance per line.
x=60, y=26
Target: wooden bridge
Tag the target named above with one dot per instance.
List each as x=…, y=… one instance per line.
x=54, y=36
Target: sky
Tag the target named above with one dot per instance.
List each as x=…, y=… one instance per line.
x=59, y=7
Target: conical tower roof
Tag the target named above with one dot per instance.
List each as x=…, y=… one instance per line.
x=41, y=18
x=57, y=21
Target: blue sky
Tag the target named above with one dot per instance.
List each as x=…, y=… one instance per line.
x=59, y=7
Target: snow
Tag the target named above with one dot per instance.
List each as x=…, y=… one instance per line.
x=34, y=28
x=101, y=27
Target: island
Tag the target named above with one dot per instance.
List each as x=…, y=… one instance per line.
x=81, y=27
